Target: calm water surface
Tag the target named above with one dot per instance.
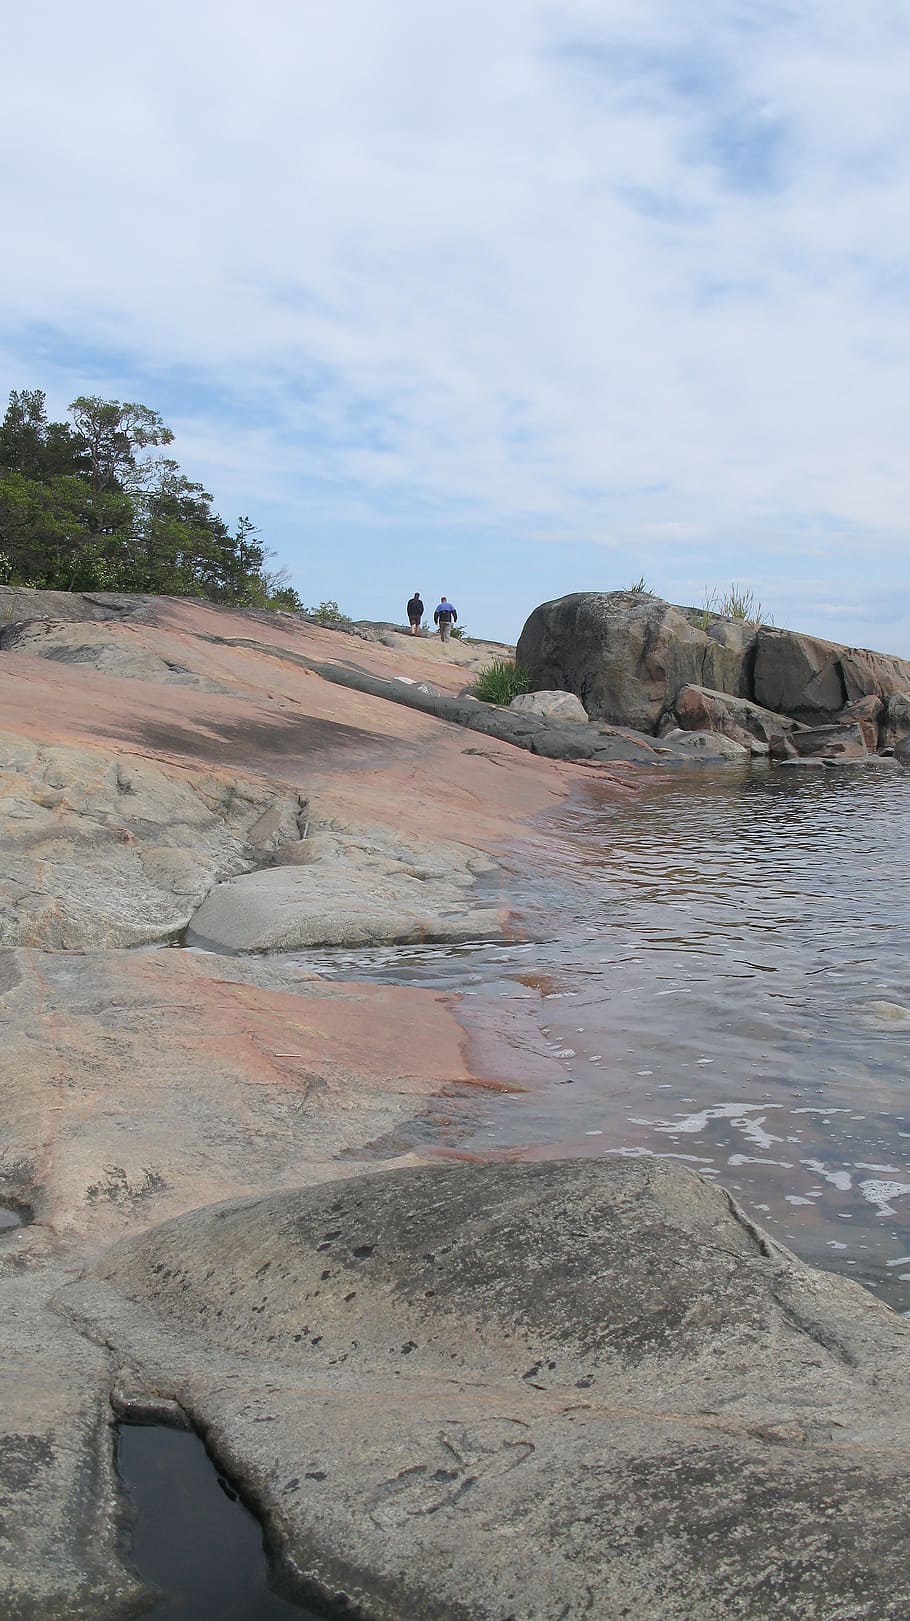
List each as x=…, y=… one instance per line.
x=721, y=977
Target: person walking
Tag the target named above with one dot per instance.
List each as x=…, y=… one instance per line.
x=415, y=613
x=445, y=617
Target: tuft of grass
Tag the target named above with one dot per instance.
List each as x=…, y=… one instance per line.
x=639, y=589
x=459, y=633
x=737, y=603
x=500, y=681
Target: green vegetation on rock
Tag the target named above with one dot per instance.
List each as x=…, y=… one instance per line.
x=329, y=613
x=93, y=505
x=500, y=681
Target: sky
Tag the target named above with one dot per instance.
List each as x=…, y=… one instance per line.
x=500, y=300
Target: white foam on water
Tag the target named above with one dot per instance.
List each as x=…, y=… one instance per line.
x=880, y=1194
x=738, y=1115
x=838, y=1179
x=889, y=1170
x=754, y=1159
x=794, y=1198
x=834, y=1245
x=810, y=1110
x=649, y=1153
x=902, y=1260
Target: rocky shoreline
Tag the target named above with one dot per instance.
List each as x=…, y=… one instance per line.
x=468, y=1392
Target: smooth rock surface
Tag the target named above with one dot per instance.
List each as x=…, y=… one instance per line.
x=101, y=849
x=59, y=1496
x=866, y=713
x=349, y=891
x=575, y=1389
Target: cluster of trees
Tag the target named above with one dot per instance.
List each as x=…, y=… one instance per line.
x=95, y=504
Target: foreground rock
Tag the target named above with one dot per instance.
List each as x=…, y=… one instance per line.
x=636, y=660
x=574, y=1389
x=135, y=1086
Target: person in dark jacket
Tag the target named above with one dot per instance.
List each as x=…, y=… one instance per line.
x=415, y=613
x=445, y=617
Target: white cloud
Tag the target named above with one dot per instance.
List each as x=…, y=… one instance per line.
x=587, y=270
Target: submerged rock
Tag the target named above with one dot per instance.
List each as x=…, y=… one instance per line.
x=573, y=1389
x=715, y=745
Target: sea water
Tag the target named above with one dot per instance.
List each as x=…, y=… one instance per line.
x=720, y=975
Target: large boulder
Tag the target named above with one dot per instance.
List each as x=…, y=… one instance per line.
x=813, y=680
x=628, y=655
x=566, y=1390
x=729, y=654
x=623, y=653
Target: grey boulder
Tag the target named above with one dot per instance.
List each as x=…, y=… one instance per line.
x=558, y=706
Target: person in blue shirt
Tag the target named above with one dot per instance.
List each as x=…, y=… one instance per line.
x=445, y=617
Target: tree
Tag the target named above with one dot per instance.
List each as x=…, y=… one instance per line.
x=112, y=433
x=85, y=508
x=29, y=444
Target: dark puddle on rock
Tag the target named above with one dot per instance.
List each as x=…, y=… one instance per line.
x=189, y=1534
x=10, y=1219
